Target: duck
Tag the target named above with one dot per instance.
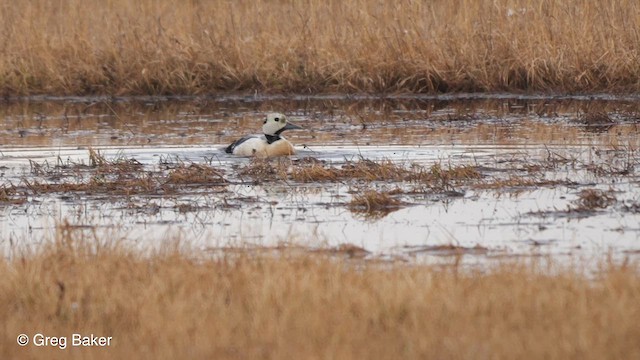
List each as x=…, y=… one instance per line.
x=270, y=143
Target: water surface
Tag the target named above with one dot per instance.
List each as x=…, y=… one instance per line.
x=559, y=146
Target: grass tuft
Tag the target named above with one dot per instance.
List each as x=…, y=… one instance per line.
x=265, y=169
x=195, y=174
x=374, y=204
x=592, y=199
x=9, y=195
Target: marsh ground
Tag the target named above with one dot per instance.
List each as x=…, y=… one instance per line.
x=175, y=302
x=404, y=178
x=419, y=222
x=403, y=227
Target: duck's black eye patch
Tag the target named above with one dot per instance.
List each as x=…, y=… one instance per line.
x=277, y=119
x=265, y=121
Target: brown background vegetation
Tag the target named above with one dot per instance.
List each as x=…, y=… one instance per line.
x=176, y=303
x=201, y=47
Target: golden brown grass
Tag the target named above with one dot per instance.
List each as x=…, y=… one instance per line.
x=173, y=303
x=195, y=174
x=362, y=169
x=313, y=170
x=195, y=47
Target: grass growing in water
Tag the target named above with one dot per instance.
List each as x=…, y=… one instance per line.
x=312, y=170
x=195, y=174
x=173, y=47
x=592, y=199
x=373, y=203
x=173, y=302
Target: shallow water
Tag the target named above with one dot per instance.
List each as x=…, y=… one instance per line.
x=502, y=137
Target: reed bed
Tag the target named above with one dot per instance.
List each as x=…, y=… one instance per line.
x=125, y=47
x=174, y=303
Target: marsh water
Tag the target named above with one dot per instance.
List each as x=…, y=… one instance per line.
x=536, y=156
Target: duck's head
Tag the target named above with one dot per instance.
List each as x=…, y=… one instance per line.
x=276, y=123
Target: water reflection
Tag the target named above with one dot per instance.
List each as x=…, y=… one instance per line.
x=339, y=121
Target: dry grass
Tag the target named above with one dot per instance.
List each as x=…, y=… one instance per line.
x=373, y=203
x=118, y=176
x=313, y=170
x=362, y=169
x=195, y=174
x=514, y=182
x=126, y=185
x=265, y=169
x=9, y=195
x=445, y=178
x=172, y=304
x=119, y=164
x=122, y=176
x=592, y=199
x=195, y=47
x=596, y=118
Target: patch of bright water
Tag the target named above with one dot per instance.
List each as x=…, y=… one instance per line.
x=501, y=138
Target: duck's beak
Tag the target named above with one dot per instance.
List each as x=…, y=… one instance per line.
x=291, y=126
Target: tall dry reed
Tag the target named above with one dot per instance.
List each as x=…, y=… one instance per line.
x=197, y=47
x=173, y=304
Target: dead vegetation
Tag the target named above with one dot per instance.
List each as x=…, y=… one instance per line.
x=169, y=47
x=195, y=174
x=594, y=199
x=125, y=176
x=264, y=169
x=174, y=301
x=127, y=185
x=119, y=176
x=348, y=251
x=9, y=195
x=449, y=250
x=514, y=182
x=374, y=204
x=596, y=118
x=311, y=170
x=367, y=179
x=119, y=164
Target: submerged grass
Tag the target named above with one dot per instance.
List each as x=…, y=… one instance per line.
x=172, y=47
x=173, y=302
